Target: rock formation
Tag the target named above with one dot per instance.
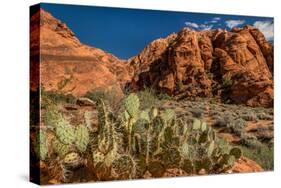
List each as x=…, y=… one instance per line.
x=233, y=65
x=67, y=65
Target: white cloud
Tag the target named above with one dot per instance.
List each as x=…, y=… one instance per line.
x=234, y=23
x=198, y=26
x=205, y=26
x=215, y=20
x=266, y=27
x=192, y=24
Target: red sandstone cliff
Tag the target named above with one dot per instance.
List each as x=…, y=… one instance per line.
x=235, y=65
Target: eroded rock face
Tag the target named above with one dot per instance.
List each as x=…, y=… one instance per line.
x=234, y=65
x=67, y=65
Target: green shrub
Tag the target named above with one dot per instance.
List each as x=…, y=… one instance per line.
x=96, y=95
x=148, y=98
x=231, y=123
x=249, y=116
x=262, y=154
x=227, y=82
x=49, y=98
x=264, y=116
x=164, y=96
x=109, y=96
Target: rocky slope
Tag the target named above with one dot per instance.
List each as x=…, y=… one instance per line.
x=234, y=66
x=67, y=65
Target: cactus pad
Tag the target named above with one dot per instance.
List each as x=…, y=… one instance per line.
x=196, y=124
x=72, y=159
x=236, y=152
x=98, y=157
x=82, y=138
x=124, y=167
x=60, y=148
x=132, y=105
x=65, y=132
x=168, y=115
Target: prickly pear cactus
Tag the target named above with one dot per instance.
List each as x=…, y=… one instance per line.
x=236, y=152
x=196, y=124
x=171, y=157
x=206, y=153
x=211, y=148
x=52, y=117
x=41, y=146
x=145, y=115
x=98, y=157
x=184, y=151
x=65, y=132
x=72, y=159
x=82, y=138
x=124, y=167
x=60, y=148
x=153, y=112
x=105, y=127
x=168, y=115
x=102, y=114
x=88, y=119
x=132, y=105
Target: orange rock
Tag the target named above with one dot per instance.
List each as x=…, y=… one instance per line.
x=232, y=65
x=70, y=67
x=200, y=62
x=244, y=165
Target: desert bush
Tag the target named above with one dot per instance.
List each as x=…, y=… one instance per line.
x=262, y=154
x=249, y=140
x=108, y=96
x=197, y=112
x=95, y=95
x=249, y=116
x=163, y=96
x=236, y=126
x=227, y=82
x=49, y=98
x=148, y=98
x=264, y=116
x=230, y=123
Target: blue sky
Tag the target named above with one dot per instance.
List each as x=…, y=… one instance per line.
x=125, y=32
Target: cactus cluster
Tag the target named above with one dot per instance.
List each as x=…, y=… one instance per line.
x=155, y=140
x=66, y=137
x=132, y=142
x=202, y=150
